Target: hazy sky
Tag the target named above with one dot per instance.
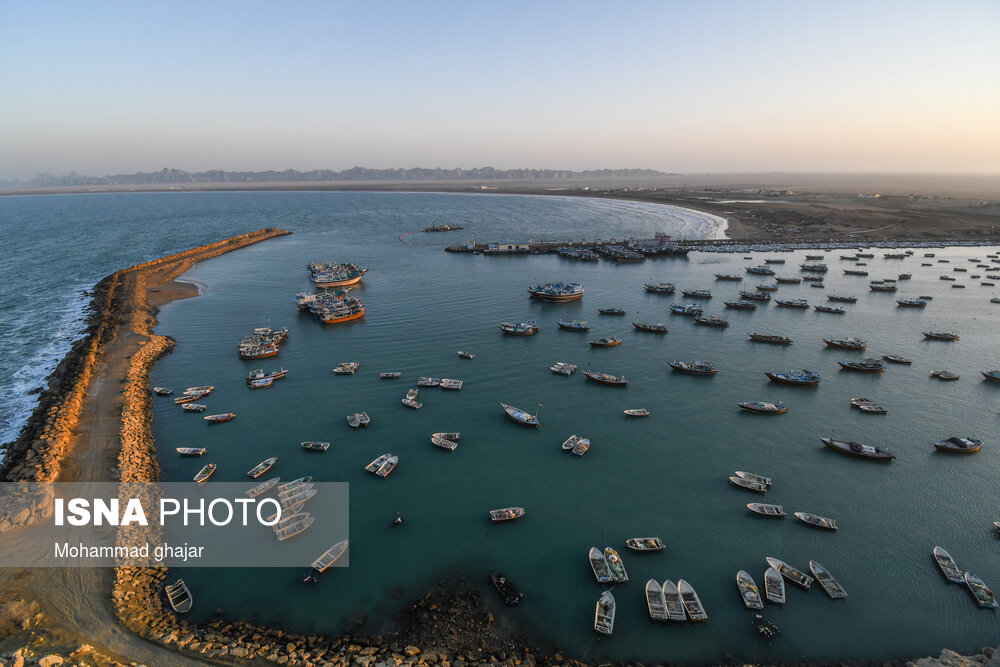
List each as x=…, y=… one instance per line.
x=116, y=87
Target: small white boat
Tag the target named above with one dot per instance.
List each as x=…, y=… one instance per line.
x=194, y=407
x=750, y=477
x=797, y=577
x=599, y=564
x=466, y=355
x=830, y=585
x=766, y=510
x=314, y=446
x=388, y=466
x=330, y=556
x=655, y=603
x=377, y=463
x=774, y=586
x=748, y=485
x=191, y=451
x=263, y=487
x=748, y=590
x=616, y=565
x=347, y=368
x=444, y=443
x=358, y=419
x=576, y=445
x=506, y=514
x=410, y=403
x=672, y=598
x=692, y=603
x=389, y=375
x=261, y=383
x=292, y=525
x=262, y=467
x=604, y=614
x=224, y=417
x=637, y=412
x=949, y=568
x=179, y=596
x=454, y=385
x=162, y=391
x=816, y=520
x=980, y=591
x=202, y=389
x=562, y=368
x=428, y=382
x=454, y=437
x=295, y=483
x=644, y=543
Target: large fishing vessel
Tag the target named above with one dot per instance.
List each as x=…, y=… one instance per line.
x=557, y=292
x=335, y=275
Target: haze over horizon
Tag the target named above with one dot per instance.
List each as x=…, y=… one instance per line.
x=678, y=87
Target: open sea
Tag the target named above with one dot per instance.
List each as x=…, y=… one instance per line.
x=665, y=475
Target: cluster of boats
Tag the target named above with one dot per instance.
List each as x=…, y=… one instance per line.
x=982, y=594
x=333, y=274
x=331, y=306
x=262, y=343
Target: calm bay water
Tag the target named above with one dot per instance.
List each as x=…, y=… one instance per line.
x=665, y=475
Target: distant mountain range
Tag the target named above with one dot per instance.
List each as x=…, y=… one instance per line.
x=179, y=176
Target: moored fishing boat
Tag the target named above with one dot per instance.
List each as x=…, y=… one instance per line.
x=291, y=526
x=508, y=591
x=882, y=286
x=443, y=443
x=689, y=309
x=984, y=596
x=644, y=543
x=262, y=467
x=766, y=510
x=637, y=412
x=206, y=472
x=858, y=450
x=334, y=274
x=224, y=417
x=466, y=355
x=562, y=368
x=793, y=575
x=763, y=407
x=755, y=296
x=748, y=590
x=410, y=403
x=829, y=309
x=616, y=566
x=452, y=435
x=651, y=327
x=816, y=268
x=200, y=390
x=428, y=382
x=573, y=325
x=697, y=293
x=191, y=451
x=189, y=398
x=346, y=310
x=961, y=445
x=911, y=303
x=760, y=270
x=792, y=303
x=347, y=368
x=260, y=374
x=830, y=585
x=576, y=445
x=262, y=383
x=506, y=514
x=872, y=408
x=358, y=419
x=655, y=603
x=262, y=488
x=660, y=288
x=949, y=568
x=606, y=378
x=747, y=484
x=870, y=365
x=162, y=391
x=194, y=407
x=315, y=446
x=992, y=376
x=896, y=359
x=712, y=321
x=389, y=375
x=179, y=597
x=741, y=305
x=944, y=375
x=377, y=463
x=774, y=260
x=557, y=292
x=599, y=564
x=330, y=556
x=842, y=299
x=804, y=377
x=729, y=276
x=387, y=466
x=672, y=598
x=611, y=311
x=694, y=367
x=604, y=614
x=774, y=586
x=771, y=339
x=788, y=280
x=529, y=328
x=692, y=603
x=766, y=288
x=520, y=416
x=606, y=342
x=751, y=477
x=452, y=384
x=816, y=520
x=940, y=335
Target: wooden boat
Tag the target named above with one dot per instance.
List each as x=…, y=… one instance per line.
x=872, y=409
x=644, y=543
x=747, y=484
x=712, y=321
x=162, y=391
x=896, y=359
x=842, y=299
x=855, y=272
x=673, y=602
x=655, y=603
x=347, y=368
x=792, y=303
x=261, y=384
x=651, y=327
x=466, y=355
x=191, y=451
x=454, y=437
x=660, y=288
x=763, y=407
x=294, y=484
x=774, y=586
x=194, y=407
x=201, y=390
x=611, y=311
x=637, y=412
x=224, y=417
x=766, y=510
x=944, y=375
x=689, y=309
x=263, y=487
x=766, y=288
x=452, y=384
x=956, y=444
x=576, y=445
x=911, y=303
x=816, y=520
x=529, y=328
x=778, y=260
x=788, y=280
x=797, y=577
x=262, y=467
x=760, y=270
x=410, y=403
x=741, y=305
x=444, y=443
x=188, y=398
x=506, y=514
x=950, y=278
x=940, y=335
x=377, y=463
x=573, y=325
x=562, y=368
x=748, y=590
x=313, y=446
x=697, y=293
x=179, y=596
x=751, y=477
x=948, y=566
x=816, y=268
x=616, y=565
x=992, y=376
x=810, y=257
x=804, y=378
x=770, y=339
x=846, y=343
x=330, y=556
x=606, y=342
x=870, y=365
x=694, y=368
x=983, y=595
x=828, y=309
x=260, y=374
x=508, y=591
x=599, y=564
x=864, y=255
x=605, y=378
x=604, y=614
x=557, y=292
x=389, y=375
x=755, y=296
x=205, y=473
x=520, y=416
x=388, y=466
x=857, y=449
x=412, y=394
x=882, y=286
x=692, y=603
x=358, y=419
x=729, y=276
x=292, y=526
x=829, y=585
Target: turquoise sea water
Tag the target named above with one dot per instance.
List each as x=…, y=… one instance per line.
x=665, y=475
